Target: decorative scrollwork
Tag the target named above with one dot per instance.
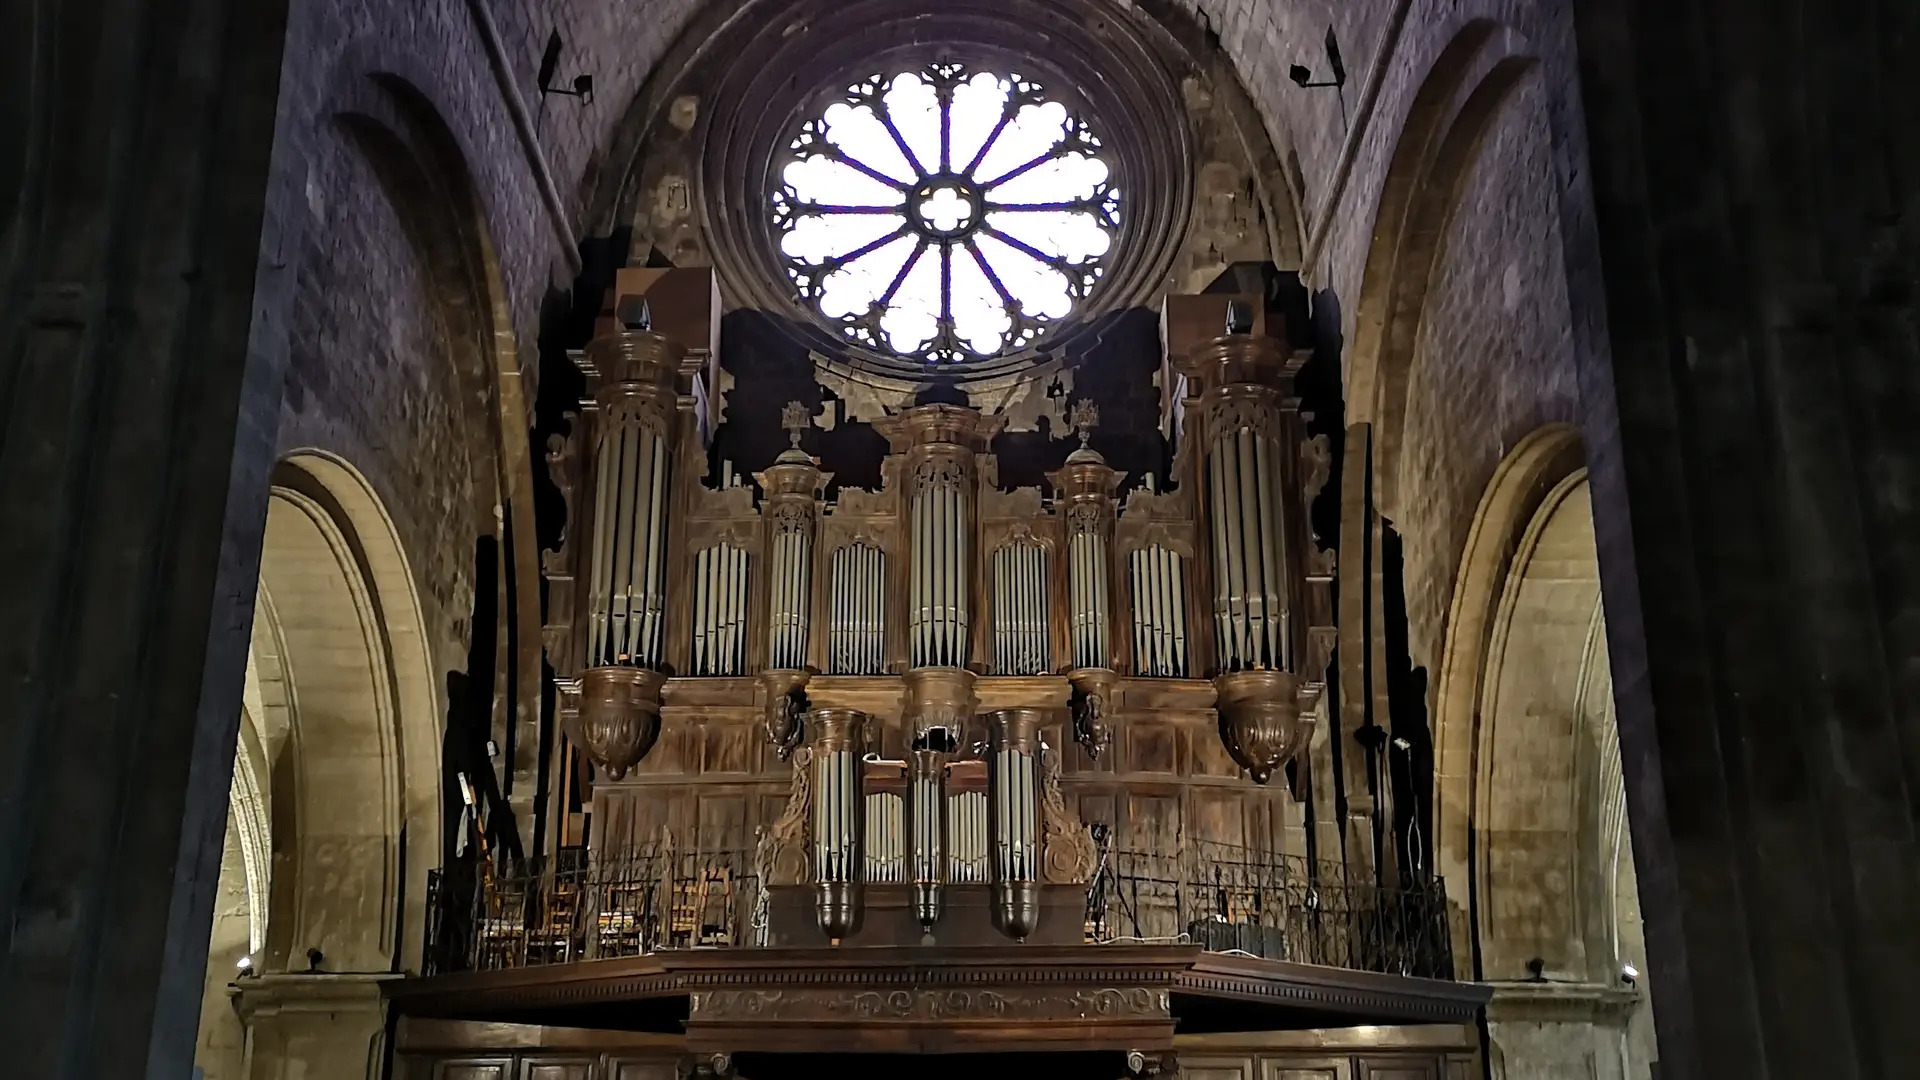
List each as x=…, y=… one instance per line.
x=781, y=855
x=1069, y=852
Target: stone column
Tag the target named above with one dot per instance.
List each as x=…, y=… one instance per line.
x=1741, y=209
x=1563, y=1031
x=143, y=345
x=332, y=1026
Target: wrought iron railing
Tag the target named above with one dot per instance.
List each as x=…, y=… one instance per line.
x=639, y=902
x=1276, y=907
x=1224, y=899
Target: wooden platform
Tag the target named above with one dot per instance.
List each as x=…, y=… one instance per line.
x=937, y=1000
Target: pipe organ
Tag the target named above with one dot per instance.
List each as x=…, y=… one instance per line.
x=863, y=622
x=1021, y=615
x=857, y=622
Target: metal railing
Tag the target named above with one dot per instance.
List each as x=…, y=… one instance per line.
x=1224, y=899
x=1275, y=907
x=636, y=903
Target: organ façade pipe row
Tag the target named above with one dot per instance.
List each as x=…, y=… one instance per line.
x=941, y=568
x=1020, y=610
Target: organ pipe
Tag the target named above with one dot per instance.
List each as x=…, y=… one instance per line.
x=633, y=421
x=1157, y=585
x=939, y=442
x=838, y=825
x=719, y=610
x=927, y=811
x=1247, y=427
x=967, y=837
x=856, y=632
x=1020, y=609
x=1013, y=800
x=793, y=485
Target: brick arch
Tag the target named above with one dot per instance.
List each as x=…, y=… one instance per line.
x=1457, y=103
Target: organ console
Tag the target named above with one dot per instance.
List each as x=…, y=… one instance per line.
x=857, y=626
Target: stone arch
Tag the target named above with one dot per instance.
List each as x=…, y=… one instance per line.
x=425, y=175
x=1462, y=94
x=353, y=784
x=1521, y=484
x=1531, y=800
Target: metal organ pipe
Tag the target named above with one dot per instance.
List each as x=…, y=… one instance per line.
x=1157, y=576
x=1013, y=819
x=927, y=810
x=1020, y=604
x=1251, y=593
x=839, y=828
x=629, y=591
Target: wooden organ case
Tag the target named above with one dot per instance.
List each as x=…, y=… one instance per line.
x=1010, y=753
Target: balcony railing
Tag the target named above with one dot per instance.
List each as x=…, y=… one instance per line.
x=1224, y=899
x=1275, y=907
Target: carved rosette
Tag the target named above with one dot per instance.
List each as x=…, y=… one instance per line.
x=1266, y=717
x=618, y=717
x=784, y=708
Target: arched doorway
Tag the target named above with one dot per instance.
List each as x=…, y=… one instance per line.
x=334, y=821
x=1531, y=806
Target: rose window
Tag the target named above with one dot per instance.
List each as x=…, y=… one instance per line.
x=945, y=215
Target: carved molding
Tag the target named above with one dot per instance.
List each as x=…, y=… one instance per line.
x=928, y=1006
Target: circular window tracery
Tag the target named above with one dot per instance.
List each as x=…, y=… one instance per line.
x=945, y=215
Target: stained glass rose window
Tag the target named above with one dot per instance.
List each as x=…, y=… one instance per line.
x=944, y=215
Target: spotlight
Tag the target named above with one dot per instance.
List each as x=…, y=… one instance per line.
x=245, y=964
x=549, y=64
x=1629, y=974
x=1401, y=744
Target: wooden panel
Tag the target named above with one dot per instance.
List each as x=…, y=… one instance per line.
x=1153, y=823
x=1152, y=747
x=1216, y=1068
x=474, y=1069
x=1397, y=1068
x=676, y=752
x=1210, y=756
x=557, y=1069
x=1306, y=1069
x=723, y=823
x=639, y=1070
x=1219, y=817
x=729, y=746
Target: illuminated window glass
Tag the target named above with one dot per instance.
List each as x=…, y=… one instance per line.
x=944, y=214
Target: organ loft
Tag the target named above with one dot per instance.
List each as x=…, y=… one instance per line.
x=1082, y=539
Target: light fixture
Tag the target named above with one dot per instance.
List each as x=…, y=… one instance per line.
x=549, y=61
x=1629, y=974
x=1303, y=75
x=245, y=964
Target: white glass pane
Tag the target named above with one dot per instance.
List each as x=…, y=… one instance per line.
x=853, y=288
x=815, y=238
x=1041, y=290
x=914, y=316
x=1073, y=235
x=823, y=180
x=857, y=131
x=915, y=111
x=1035, y=130
x=1065, y=178
x=977, y=105
x=979, y=316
